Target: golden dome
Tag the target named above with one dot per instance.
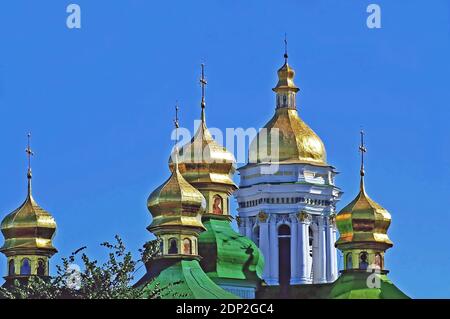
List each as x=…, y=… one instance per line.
x=29, y=227
x=297, y=141
x=363, y=221
x=176, y=203
x=286, y=76
x=203, y=160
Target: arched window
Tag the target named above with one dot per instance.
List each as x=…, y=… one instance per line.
x=349, y=261
x=284, y=255
x=378, y=261
x=187, y=246
x=284, y=230
x=11, y=268
x=363, y=262
x=25, y=268
x=41, y=267
x=173, y=246
x=311, y=237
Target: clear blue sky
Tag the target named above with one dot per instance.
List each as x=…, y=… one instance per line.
x=99, y=102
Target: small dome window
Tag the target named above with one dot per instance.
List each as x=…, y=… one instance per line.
x=173, y=246
x=25, y=268
x=363, y=261
x=11, y=268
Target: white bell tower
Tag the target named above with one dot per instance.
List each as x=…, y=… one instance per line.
x=290, y=213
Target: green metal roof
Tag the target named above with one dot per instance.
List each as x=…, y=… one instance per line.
x=229, y=255
x=305, y=291
x=354, y=285
x=350, y=285
x=185, y=279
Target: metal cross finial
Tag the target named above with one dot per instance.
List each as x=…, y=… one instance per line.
x=175, y=121
x=285, y=48
x=362, y=149
x=203, y=83
x=177, y=126
x=29, y=154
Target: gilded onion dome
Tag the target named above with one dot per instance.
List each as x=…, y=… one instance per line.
x=177, y=208
x=203, y=160
x=363, y=223
x=297, y=141
x=286, y=76
x=29, y=228
x=363, y=226
x=28, y=232
x=176, y=203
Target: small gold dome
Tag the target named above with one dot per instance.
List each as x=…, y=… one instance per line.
x=176, y=203
x=286, y=76
x=297, y=141
x=203, y=160
x=29, y=227
x=363, y=221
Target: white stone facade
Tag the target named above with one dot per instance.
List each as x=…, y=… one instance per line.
x=302, y=197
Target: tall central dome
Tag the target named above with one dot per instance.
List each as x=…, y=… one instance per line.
x=287, y=195
x=297, y=141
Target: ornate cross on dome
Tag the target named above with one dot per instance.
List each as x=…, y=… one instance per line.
x=203, y=83
x=29, y=154
x=175, y=121
x=285, y=48
x=177, y=126
x=362, y=149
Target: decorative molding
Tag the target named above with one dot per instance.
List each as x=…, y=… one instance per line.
x=293, y=218
x=282, y=218
x=332, y=220
x=304, y=217
x=262, y=217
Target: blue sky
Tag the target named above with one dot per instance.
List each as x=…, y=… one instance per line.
x=99, y=102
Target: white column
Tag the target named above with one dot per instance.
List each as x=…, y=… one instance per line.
x=335, y=252
x=248, y=228
x=264, y=247
x=322, y=251
x=303, y=248
x=294, y=251
x=316, y=254
x=309, y=257
x=273, y=238
x=332, y=269
x=241, y=224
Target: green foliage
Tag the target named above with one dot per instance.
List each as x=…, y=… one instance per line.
x=110, y=280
